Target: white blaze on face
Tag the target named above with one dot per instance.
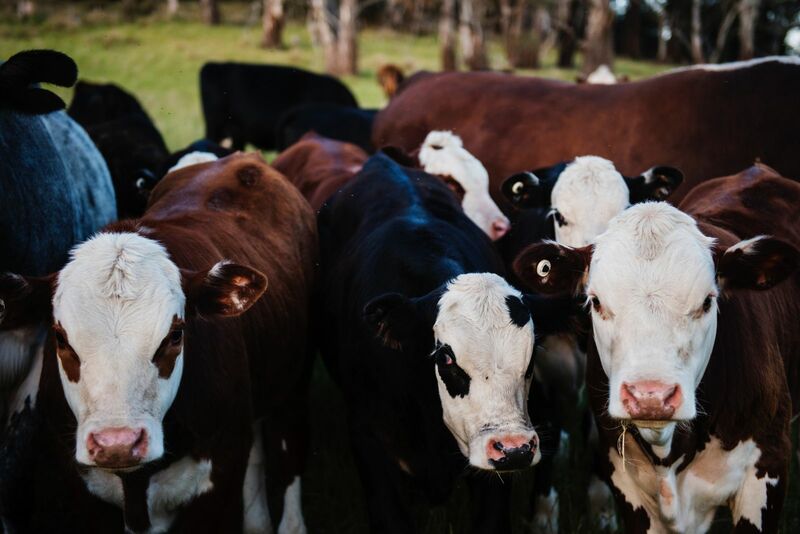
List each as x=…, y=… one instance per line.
x=116, y=300
x=193, y=158
x=587, y=195
x=443, y=153
x=484, y=391
x=652, y=287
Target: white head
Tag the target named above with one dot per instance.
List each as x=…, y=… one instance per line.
x=119, y=308
x=652, y=286
x=482, y=338
x=443, y=154
x=193, y=158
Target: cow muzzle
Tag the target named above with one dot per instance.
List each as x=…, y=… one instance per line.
x=651, y=400
x=117, y=448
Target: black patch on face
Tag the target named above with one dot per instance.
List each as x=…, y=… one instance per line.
x=519, y=313
x=455, y=379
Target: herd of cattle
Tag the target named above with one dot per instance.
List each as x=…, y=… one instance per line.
x=507, y=251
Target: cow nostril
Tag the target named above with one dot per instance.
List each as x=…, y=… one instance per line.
x=498, y=446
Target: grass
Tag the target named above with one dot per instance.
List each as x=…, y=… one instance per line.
x=158, y=60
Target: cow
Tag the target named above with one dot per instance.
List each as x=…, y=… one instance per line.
x=126, y=136
x=519, y=123
x=173, y=396
x=390, y=78
x=431, y=347
x=692, y=367
x=243, y=102
x=342, y=123
x=199, y=151
x=319, y=167
x=585, y=194
x=56, y=191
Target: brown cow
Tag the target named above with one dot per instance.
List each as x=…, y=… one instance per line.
x=319, y=166
x=390, y=77
x=707, y=121
x=691, y=372
x=171, y=394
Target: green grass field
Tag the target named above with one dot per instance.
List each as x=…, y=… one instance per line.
x=158, y=61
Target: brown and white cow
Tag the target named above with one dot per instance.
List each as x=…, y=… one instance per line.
x=693, y=364
x=169, y=387
x=319, y=166
x=690, y=118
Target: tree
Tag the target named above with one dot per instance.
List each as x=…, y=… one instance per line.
x=273, y=21
x=172, y=7
x=447, y=35
x=210, y=12
x=697, y=35
x=337, y=35
x=748, y=16
x=470, y=30
x=633, y=29
x=565, y=28
x=598, y=49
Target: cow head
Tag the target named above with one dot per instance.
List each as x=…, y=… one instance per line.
x=652, y=282
x=478, y=331
x=586, y=194
x=443, y=154
x=119, y=310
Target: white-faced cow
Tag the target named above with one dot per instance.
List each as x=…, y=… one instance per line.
x=431, y=348
x=168, y=386
x=692, y=366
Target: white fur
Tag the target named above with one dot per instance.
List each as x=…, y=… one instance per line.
x=687, y=501
x=193, y=158
x=167, y=491
x=736, y=65
x=20, y=367
x=748, y=245
x=256, y=512
x=116, y=299
x=474, y=320
x=601, y=505
x=292, y=520
x=588, y=194
x=545, y=513
x=651, y=271
x=452, y=159
x=602, y=75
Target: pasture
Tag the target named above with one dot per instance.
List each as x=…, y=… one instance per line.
x=158, y=60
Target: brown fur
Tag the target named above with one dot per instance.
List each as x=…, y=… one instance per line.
x=319, y=166
x=390, y=77
x=692, y=120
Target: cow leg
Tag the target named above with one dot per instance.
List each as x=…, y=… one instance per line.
x=758, y=503
x=285, y=445
x=385, y=505
x=490, y=498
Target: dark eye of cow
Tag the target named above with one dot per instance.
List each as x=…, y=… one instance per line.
x=176, y=336
x=595, y=303
x=560, y=220
x=707, y=304
x=455, y=379
x=444, y=355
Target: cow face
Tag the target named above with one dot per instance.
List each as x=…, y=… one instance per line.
x=443, y=154
x=478, y=331
x=586, y=194
x=652, y=281
x=119, y=312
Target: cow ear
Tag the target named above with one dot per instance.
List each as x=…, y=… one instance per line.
x=227, y=290
x=25, y=300
x=657, y=183
x=552, y=269
x=402, y=323
x=757, y=263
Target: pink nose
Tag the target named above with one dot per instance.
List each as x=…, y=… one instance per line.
x=502, y=446
x=650, y=399
x=500, y=228
x=117, y=447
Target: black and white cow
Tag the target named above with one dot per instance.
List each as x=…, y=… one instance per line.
x=56, y=191
x=431, y=347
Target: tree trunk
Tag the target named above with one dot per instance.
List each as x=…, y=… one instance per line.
x=598, y=48
x=418, y=16
x=324, y=31
x=447, y=35
x=565, y=12
x=748, y=16
x=395, y=13
x=633, y=29
x=210, y=12
x=273, y=21
x=661, y=55
x=473, y=47
x=172, y=7
x=722, y=35
x=26, y=8
x=697, y=34
x=347, y=44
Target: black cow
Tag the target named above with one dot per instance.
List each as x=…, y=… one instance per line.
x=200, y=146
x=342, y=123
x=243, y=102
x=430, y=346
x=126, y=136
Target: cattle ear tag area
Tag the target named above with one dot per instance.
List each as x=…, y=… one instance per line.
x=227, y=289
x=759, y=263
x=543, y=268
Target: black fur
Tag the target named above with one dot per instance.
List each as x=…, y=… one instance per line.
x=455, y=379
x=519, y=313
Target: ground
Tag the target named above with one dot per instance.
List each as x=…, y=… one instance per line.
x=158, y=60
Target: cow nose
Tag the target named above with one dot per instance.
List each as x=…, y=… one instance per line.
x=117, y=447
x=651, y=399
x=508, y=453
x=500, y=228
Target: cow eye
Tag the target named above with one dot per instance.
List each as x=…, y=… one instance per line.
x=176, y=336
x=560, y=220
x=707, y=304
x=444, y=356
x=595, y=303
